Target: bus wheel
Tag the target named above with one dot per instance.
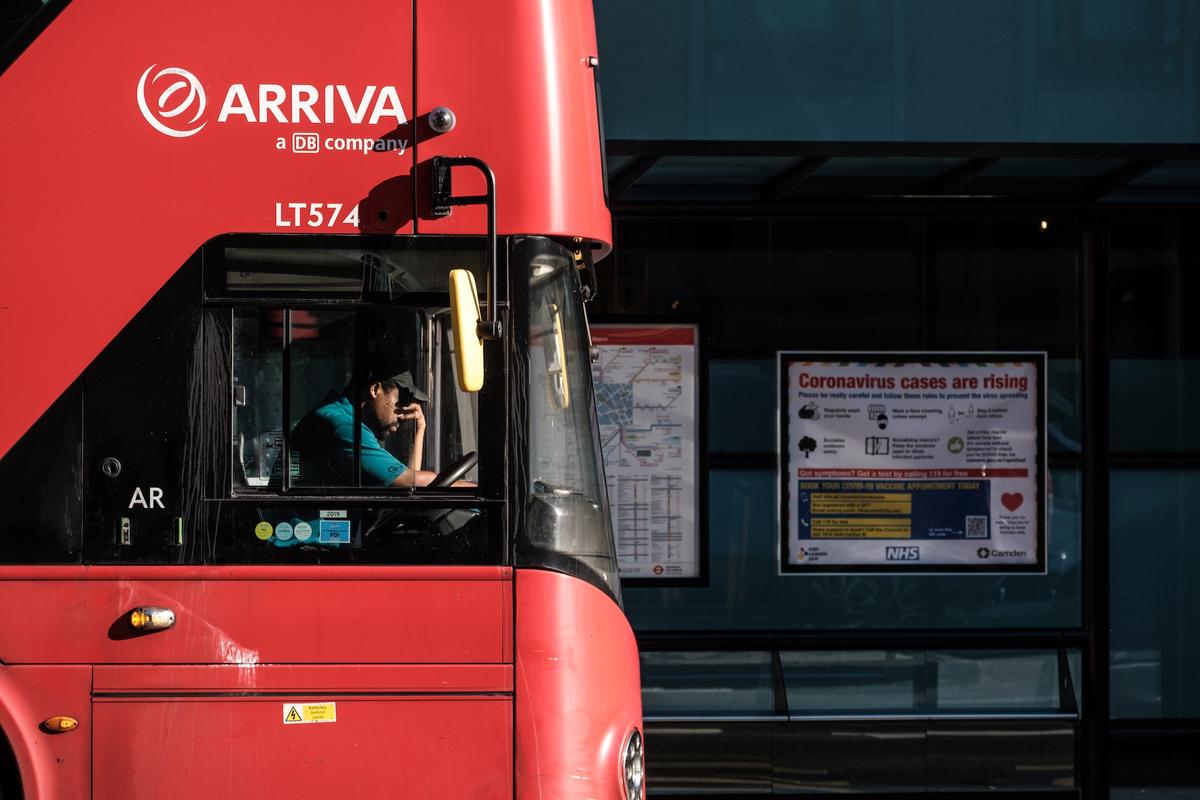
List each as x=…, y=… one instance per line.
x=10, y=775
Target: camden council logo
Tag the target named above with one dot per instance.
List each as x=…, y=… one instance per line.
x=985, y=552
x=173, y=93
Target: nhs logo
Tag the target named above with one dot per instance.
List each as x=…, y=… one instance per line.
x=906, y=553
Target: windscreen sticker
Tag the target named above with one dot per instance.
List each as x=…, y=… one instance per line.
x=308, y=713
x=334, y=531
x=283, y=531
x=338, y=513
x=303, y=531
x=263, y=530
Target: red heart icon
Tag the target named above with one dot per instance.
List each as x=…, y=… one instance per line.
x=1011, y=500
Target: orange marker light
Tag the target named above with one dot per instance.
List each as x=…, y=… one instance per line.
x=60, y=724
x=150, y=618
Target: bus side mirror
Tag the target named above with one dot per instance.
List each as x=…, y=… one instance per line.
x=464, y=320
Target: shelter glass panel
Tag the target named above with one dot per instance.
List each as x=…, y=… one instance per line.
x=1154, y=599
x=869, y=70
x=746, y=592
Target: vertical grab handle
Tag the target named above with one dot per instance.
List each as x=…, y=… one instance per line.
x=443, y=203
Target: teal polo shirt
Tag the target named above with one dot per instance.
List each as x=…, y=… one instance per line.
x=323, y=443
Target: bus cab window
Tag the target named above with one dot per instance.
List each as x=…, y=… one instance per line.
x=369, y=398
x=257, y=397
x=320, y=358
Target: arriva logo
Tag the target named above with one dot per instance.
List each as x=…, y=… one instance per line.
x=163, y=119
x=296, y=104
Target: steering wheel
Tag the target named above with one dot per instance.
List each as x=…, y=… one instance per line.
x=455, y=471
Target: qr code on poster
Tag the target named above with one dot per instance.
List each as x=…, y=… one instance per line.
x=977, y=527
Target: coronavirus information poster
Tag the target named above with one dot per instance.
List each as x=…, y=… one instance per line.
x=912, y=462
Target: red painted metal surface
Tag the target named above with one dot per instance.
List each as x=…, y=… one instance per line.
x=187, y=572
x=533, y=120
x=117, y=206
x=250, y=622
x=578, y=688
x=239, y=747
x=420, y=669
x=52, y=765
x=306, y=678
x=110, y=205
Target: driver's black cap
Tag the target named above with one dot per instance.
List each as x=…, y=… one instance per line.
x=385, y=369
x=405, y=381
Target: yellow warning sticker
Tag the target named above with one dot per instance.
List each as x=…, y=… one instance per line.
x=305, y=713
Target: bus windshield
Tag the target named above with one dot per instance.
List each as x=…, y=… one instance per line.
x=568, y=526
x=360, y=398
x=359, y=394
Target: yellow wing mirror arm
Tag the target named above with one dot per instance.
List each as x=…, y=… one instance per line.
x=443, y=203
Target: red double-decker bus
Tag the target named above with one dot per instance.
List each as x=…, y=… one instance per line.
x=288, y=507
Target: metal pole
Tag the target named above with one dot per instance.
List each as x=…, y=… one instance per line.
x=1094, y=330
x=285, y=445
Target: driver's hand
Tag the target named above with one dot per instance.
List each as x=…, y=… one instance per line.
x=412, y=412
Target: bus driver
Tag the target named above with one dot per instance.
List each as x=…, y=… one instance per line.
x=323, y=441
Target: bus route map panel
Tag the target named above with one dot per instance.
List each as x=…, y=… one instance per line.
x=647, y=403
x=912, y=462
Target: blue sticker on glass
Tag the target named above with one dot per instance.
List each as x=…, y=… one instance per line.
x=334, y=531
